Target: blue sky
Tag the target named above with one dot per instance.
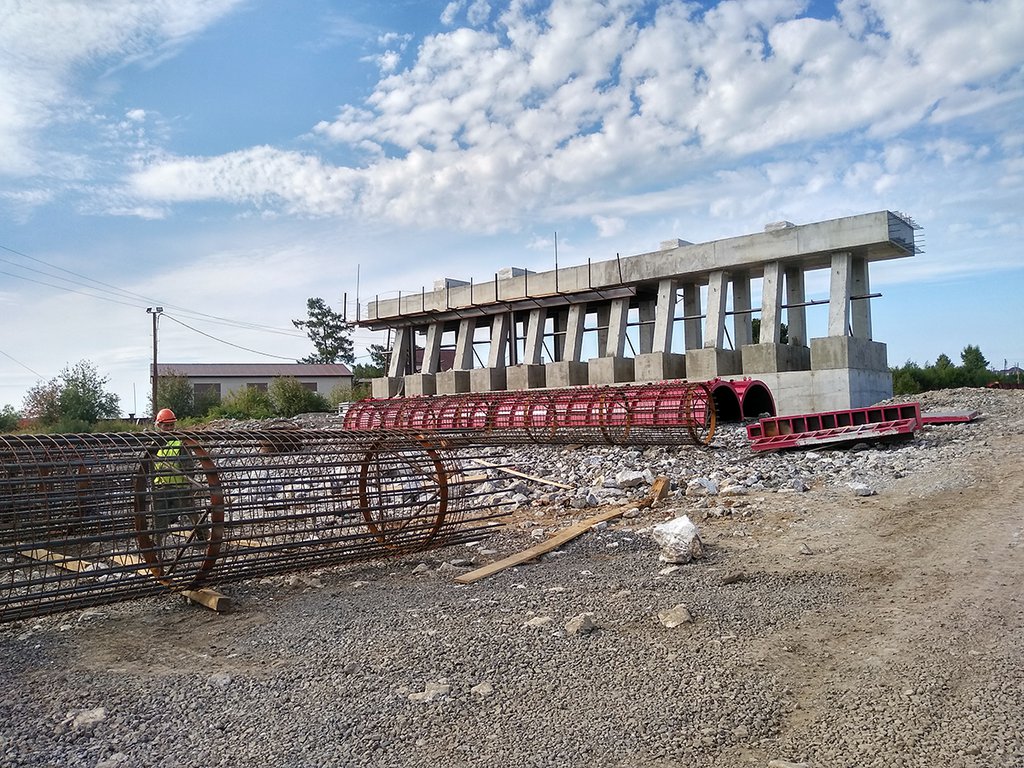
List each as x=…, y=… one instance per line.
x=229, y=159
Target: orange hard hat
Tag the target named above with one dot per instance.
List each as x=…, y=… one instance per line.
x=165, y=415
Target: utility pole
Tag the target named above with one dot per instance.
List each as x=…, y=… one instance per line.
x=155, y=312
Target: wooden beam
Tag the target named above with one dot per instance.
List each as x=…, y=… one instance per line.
x=535, y=479
x=55, y=558
x=209, y=598
x=545, y=546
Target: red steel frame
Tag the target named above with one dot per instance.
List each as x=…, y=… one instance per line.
x=830, y=427
x=658, y=413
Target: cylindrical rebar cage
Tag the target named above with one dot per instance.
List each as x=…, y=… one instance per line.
x=665, y=413
x=92, y=519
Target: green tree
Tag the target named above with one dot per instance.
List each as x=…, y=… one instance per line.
x=244, y=403
x=9, y=419
x=329, y=333
x=290, y=398
x=175, y=392
x=74, y=400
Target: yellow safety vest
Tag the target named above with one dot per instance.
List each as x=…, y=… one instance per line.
x=168, y=471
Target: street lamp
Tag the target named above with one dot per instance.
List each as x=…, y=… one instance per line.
x=155, y=312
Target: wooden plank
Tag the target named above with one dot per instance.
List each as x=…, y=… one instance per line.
x=535, y=479
x=55, y=558
x=545, y=546
x=209, y=598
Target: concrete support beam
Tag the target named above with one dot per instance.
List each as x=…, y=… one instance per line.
x=559, y=323
x=796, y=316
x=610, y=370
x=659, y=366
x=487, y=379
x=420, y=384
x=566, y=373
x=647, y=312
x=432, y=349
x=400, y=352
x=501, y=327
x=714, y=326
x=839, y=294
x=771, y=302
x=452, y=382
x=575, y=320
x=860, y=310
x=604, y=313
x=618, y=317
x=534, y=337
x=742, y=320
x=693, y=337
x=664, y=320
x=464, y=346
x=526, y=376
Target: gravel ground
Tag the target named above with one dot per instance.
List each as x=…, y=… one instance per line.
x=855, y=608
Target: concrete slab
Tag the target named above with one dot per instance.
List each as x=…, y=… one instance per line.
x=420, y=384
x=705, y=364
x=841, y=352
x=387, y=386
x=526, y=376
x=772, y=358
x=567, y=373
x=487, y=380
x=659, y=366
x=452, y=382
x=609, y=370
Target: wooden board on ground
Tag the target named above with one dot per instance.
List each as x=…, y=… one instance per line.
x=56, y=559
x=517, y=473
x=545, y=546
x=210, y=598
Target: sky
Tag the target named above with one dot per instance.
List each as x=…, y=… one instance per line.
x=229, y=159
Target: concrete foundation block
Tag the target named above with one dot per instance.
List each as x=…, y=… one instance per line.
x=706, y=364
x=386, y=386
x=659, y=366
x=770, y=358
x=487, y=380
x=452, y=382
x=567, y=373
x=526, y=376
x=420, y=384
x=609, y=370
x=840, y=352
x=797, y=392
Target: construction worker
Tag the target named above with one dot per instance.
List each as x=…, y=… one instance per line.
x=171, y=482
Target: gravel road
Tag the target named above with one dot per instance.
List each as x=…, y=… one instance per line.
x=855, y=608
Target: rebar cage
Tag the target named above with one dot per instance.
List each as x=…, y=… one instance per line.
x=92, y=519
x=667, y=413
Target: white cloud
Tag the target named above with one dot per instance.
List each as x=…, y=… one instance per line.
x=43, y=43
x=608, y=226
x=509, y=119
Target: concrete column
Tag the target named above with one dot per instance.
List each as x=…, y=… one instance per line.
x=400, y=352
x=464, y=345
x=647, y=311
x=618, y=317
x=432, y=349
x=574, y=333
x=501, y=325
x=665, y=314
x=534, y=336
x=714, y=326
x=604, y=314
x=771, y=300
x=741, y=319
x=839, y=294
x=860, y=310
x=559, y=321
x=692, y=330
x=796, y=316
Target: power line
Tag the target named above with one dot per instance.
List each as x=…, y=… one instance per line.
x=9, y=357
x=222, y=341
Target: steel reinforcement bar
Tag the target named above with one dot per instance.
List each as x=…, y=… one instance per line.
x=93, y=519
x=665, y=413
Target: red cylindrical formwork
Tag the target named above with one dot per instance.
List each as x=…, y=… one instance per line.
x=658, y=413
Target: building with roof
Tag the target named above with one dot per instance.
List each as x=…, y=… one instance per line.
x=214, y=381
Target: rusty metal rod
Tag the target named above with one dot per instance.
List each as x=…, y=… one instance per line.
x=92, y=519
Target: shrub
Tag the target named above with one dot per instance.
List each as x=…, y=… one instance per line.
x=290, y=398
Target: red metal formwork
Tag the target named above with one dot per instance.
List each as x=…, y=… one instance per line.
x=664, y=412
x=834, y=427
